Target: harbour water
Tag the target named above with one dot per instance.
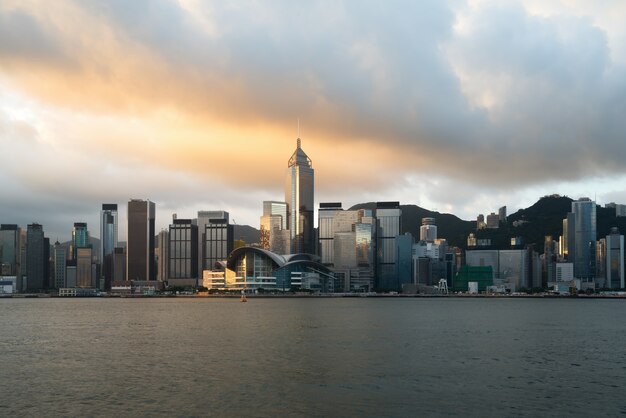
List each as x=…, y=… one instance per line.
x=312, y=357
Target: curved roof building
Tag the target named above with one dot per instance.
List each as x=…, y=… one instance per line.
x=254, y=268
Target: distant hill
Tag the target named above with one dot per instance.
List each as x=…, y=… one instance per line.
x=247, y=233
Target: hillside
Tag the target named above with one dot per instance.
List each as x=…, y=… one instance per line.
x=247, y=233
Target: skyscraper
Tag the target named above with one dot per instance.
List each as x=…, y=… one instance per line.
x=59, y=259
x=9, y=250
x=140, y=245
x=214, y=229
x=388, y=227
x=183, y=253
x=108, y=241
x=163, y=255
x=345, y=245
x=36, y=260
x=218, y=242
x=615, y=260
x=299, y=195
x=80, y=238
x=584, y=211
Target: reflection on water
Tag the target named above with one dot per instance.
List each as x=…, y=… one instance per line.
x=314, y=357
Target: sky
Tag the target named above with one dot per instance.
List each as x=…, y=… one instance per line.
x=455, y=106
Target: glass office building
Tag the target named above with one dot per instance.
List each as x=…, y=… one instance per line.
x=108, y=241
x=9, y=249
x=80, y=238
x=584, y=211
x=388, y=226
x=183, y=250
x=218, y=242
x=299, y=195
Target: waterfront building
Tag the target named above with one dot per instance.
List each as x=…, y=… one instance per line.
x=514, y=269
x=9, y=250
x=428, y=230
x=584, y=211
x=345, y=242
x=204, y=218
x=483, y=275
x=388, y=227
x=615, y=260
x=59, y=262
x=140, y=242
x=252, y=268
x=299, y=195
x=108, y=241
x=218, y=240
x=511, y=268
x=183, y=253
x=37, y=256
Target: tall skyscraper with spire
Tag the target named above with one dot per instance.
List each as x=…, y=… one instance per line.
x=299, y=195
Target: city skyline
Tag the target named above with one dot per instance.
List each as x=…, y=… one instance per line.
x=460, y=108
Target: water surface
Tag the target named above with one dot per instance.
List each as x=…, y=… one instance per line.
x=312, y=357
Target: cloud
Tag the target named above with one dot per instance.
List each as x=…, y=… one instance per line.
x=164, y=96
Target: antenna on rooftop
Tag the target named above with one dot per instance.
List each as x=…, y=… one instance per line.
x=298, y=127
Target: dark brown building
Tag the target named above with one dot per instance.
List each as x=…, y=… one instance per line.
x=140, y=241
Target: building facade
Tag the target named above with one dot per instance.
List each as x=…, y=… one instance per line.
x=183, y=253
x=9, y=250
x=615, y=260
x=218, y=242
x=585, y=232
x=59, y=262
x=299, y=196
x=140, y=241
x=108, y=241
x=36, y=258
x=388, y=227
x=273, y=227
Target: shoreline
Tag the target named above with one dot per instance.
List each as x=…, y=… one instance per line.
x=318, y=296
